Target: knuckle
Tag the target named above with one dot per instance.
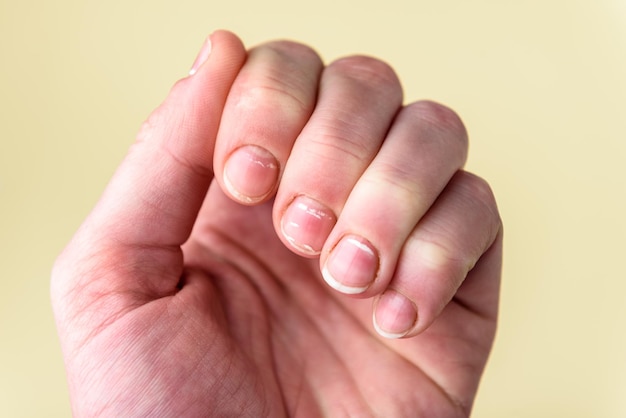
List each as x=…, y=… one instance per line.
x=367, y=70
x=441, y=119
x=398, y=177
x=277, y=79
x=340, y=145
x=275, y=98
x=478, y=190
x=264, y=99
x=437, y=257
x=294, y=51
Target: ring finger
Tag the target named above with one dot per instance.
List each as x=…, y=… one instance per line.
x=425, y=147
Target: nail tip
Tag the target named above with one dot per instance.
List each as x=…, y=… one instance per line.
x=230, y=188
x=388, y=335
x=335, y=284
x=203, y=55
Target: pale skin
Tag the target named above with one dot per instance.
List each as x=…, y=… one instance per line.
x=285, y=238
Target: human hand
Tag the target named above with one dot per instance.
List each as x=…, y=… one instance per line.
x=189, y=294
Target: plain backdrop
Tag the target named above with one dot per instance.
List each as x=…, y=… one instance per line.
x=540, y=85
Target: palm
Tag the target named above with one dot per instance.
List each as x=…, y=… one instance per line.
x=252, y=301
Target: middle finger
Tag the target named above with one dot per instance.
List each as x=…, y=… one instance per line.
x=358, y=99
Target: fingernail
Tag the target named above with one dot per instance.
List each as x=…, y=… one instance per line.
x=395, y=315
x=306, y=224
x=250, y=174
x=351, y=266
x=204, y=53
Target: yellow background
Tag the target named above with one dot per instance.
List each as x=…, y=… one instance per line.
x=540, y=84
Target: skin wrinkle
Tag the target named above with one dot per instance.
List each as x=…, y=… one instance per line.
x=282, y=105
x=464, y=407
x=221, y=240
x=168, y=148
x=218, y=381
x=460, y=300
x=258, y=94
x=332, y=142
x=217, y=240
x=291, y=297
x=110, y=348
x=337, y=121
x=257, y=288
x=173, y=391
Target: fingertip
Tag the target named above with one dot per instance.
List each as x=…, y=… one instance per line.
x=227, y=43
x=203, y=55
x=226, y=38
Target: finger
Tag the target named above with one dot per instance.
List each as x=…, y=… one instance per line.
x=358, y=99
x=268, y=105
x=425, y=147
x=436, y=259
x=154, y=197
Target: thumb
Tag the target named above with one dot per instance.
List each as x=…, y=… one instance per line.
x=130, y=244
x=155, y=195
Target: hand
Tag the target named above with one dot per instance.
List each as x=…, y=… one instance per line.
x=189, y=294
